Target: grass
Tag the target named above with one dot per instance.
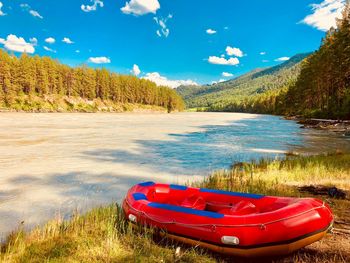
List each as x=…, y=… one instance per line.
x=57, y=103
x=102, y=235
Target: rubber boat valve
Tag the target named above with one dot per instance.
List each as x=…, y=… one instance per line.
x=230, y=240
x=132, y=218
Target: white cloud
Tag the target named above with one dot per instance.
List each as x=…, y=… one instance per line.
x=324, y=14
x=234, y=51
x=140, y=7
x=282, y=59
x=265, y=61
x=223, y=61
x=136, y=70
x=34, y=41
x=93, y=7
x=216, y=82
x=262, y=53
x=163, y=81
x=1, y=12
x=210, y=31
x=35, y=14
x=226, y=74
x=26, y=7
x=49, y=49
x=99, y=60
x=67, y=40
x=50, y=40
x=164, y=30
x=226, y=27
x=17, y=44
x=77, y=51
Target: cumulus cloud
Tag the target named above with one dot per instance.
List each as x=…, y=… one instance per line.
x=226, y=74
x=140, y=7
x=17, y=44
x=93, y=6
x=265, y=61
x=50, y=40
x=35, y=14
x=77, y=51
x=99, y=60
x=163, y=81
x=49, y=49
x=324, y=15
x=67, y=40
x=234, y=51
x=164, y=30
x=210, y=31
x=282, y=59
x=136, y=70
x=223, y=61
x=1, y=12
x=262, y=53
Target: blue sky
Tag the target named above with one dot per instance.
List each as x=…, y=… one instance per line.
x=170, y=42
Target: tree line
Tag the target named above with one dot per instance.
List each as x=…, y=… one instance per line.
x=42, y=76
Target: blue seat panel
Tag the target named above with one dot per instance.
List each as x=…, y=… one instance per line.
x=178, y=187
x=146, y=184
x=139, y=196
x=186, y=210
x=246, y=195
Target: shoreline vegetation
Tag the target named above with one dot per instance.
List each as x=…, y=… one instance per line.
x=103, y=235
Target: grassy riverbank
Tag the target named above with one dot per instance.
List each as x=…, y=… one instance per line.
x=102, y=235
x=56, y=103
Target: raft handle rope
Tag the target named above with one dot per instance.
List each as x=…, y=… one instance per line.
x=262, y=226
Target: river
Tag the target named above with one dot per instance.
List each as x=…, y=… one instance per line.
x=52, y=164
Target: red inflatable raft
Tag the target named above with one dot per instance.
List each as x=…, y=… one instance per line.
x=240, y=224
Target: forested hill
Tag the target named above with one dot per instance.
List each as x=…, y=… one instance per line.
x=323, y=87
x=43, y=84
x=253, y=84
x=310, y=85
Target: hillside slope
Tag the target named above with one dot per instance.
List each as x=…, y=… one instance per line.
x=254, y=83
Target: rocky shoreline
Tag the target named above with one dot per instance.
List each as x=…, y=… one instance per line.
x=338, y=126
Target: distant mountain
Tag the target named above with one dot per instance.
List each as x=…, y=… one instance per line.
x=254, y=83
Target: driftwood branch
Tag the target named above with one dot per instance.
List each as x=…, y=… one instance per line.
x=333, y=192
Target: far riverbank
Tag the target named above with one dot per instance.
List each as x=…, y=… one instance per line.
x=338, y=126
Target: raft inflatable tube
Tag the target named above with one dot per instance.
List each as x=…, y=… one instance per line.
x=238, y=224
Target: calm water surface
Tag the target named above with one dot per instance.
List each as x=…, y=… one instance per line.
x=52, y=164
